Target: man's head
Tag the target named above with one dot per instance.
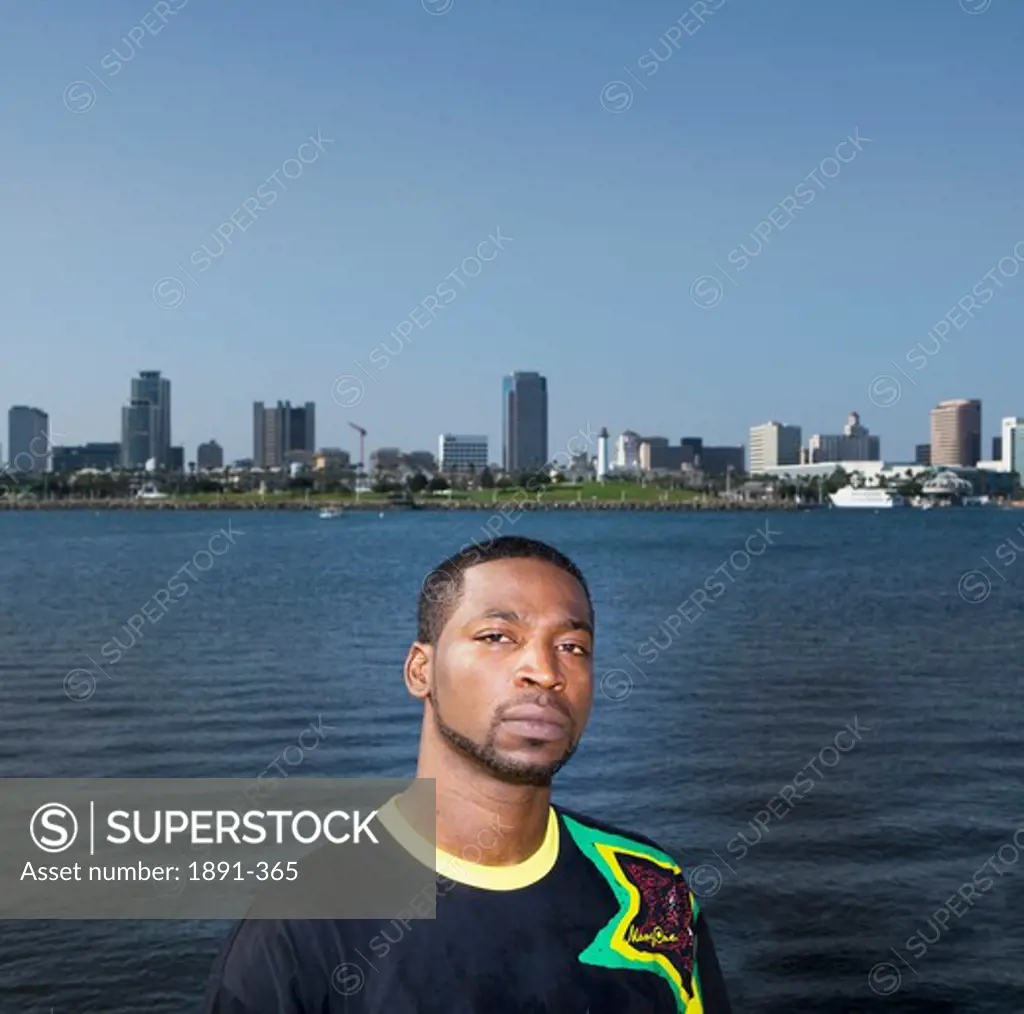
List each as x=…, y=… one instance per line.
x=504, y=658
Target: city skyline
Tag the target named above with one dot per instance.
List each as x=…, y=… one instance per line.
x=282, y=429
x=827, y=196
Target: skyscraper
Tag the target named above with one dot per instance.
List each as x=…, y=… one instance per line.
x=137, y=427
x=146, y=421
x=524, y=422
x=281, y=431
x=956, y=432
x=28, y=440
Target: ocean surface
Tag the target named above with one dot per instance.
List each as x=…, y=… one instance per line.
x=713, y=710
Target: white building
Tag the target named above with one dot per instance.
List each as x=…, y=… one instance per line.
x=854, y=444
x=773, y=444
x=458, y=453
x=602, y=454
x=627, y=452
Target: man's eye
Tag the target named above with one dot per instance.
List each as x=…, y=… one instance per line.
x=491, y=636
x=577, y=649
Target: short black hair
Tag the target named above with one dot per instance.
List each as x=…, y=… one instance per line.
x=442, y=588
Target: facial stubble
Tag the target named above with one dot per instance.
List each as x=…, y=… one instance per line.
x=488, y=757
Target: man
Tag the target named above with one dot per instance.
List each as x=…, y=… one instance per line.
x=539, y=908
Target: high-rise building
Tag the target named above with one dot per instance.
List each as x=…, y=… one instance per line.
x=282, y=433
x=152, y=390
x=209, y=456
x=138, y=424
x=524, y=422
x=460, y=453
x=1010, y=430
x=28, y=440
x=773, y=444
x=854, y=444
x=956, y=432
x=922, y=454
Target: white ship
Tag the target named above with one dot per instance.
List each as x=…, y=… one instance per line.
x=865, y=496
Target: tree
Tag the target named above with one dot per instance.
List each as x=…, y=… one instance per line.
x=417, y=483
x=439, y=482
x=486, y=479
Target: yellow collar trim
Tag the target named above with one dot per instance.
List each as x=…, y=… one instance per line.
x=459, y=868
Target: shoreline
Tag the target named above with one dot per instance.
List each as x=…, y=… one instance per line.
x=348, y=507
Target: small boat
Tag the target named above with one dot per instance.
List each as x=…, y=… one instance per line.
x=330, y=512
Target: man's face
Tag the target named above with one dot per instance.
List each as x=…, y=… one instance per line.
x=512, y=672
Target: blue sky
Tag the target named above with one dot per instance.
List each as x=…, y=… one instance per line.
x=441, y=126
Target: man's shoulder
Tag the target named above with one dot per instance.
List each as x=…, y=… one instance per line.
x=584, y=826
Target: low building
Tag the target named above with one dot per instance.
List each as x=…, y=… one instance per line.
x=332, y=459
x=461, y=453
x=102, y=457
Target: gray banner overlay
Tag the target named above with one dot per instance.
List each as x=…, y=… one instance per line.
x=208, y=848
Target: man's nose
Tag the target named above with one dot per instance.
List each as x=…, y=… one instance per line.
x=539, y=666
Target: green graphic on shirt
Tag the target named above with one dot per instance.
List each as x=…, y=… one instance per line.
x=653, y=929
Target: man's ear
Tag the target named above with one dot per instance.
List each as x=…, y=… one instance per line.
x=419, y=669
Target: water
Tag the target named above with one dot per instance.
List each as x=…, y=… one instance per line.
x=843, y=619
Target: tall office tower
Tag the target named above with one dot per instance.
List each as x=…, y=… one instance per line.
x=956, y=432
x=922, y=454
x=773, y=444
x=281, y=431
x=138, y=425
x=524, y=422
x=28, y=440
x=152, y=389
x=1009, y=443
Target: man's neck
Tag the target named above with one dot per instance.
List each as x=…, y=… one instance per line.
x=478, y=818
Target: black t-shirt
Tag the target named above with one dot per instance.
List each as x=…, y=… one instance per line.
x=597, y=921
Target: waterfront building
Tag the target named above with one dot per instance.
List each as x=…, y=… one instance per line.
x=627, y=452
x=28, y=440
x=773, y=444
x=524, y=422
x=103, y=457
x=146, y=422
x=138, y=427
x=461, y=453
x=209, y=456
x=855, y=443
x=279, y=432
x=956, y=432
x=332, y=459
x=722, y=460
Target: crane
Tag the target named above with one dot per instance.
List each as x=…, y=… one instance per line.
x=362, y=437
